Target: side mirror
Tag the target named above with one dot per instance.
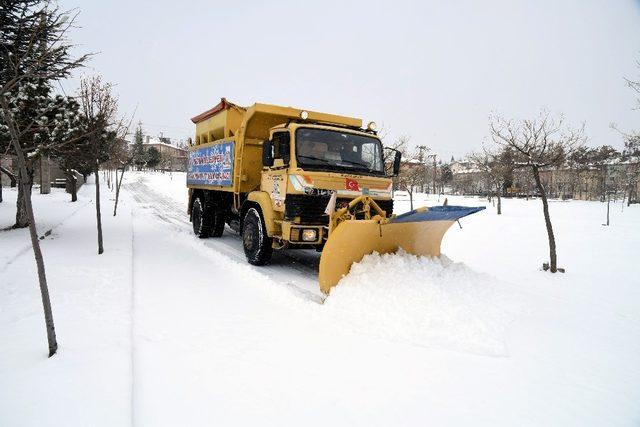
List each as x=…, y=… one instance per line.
x=267, y=153
x=396, y=163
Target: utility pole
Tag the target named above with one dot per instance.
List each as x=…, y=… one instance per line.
x=434, y=171
x=421, y=150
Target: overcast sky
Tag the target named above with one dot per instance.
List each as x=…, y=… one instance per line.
x=431, y=70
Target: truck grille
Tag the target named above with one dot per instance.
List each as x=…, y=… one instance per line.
x=310, y=209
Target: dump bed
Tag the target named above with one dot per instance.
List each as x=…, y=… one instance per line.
x=227, y=154
x=216, y=154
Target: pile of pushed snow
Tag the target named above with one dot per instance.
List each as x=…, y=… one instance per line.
x=431, y=302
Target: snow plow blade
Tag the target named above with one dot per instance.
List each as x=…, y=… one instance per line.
x=418, y=232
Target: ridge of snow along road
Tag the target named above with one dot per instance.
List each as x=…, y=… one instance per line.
x=427, y=302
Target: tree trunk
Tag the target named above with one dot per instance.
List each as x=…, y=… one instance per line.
x=547, y=220
x=24, y=191
x=74, y=189
x=72, y=182
x=98, y=219
x=499, y=201
x=45, y=175
x=118, y=184
x=35, y=242
x=11, y=176
x=608, y=203
x=410, y=199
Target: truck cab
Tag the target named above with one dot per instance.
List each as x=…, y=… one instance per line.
x=306, y=164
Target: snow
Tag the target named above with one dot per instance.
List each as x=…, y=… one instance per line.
x=426, y=302
x=167, y=329
x=88, y=381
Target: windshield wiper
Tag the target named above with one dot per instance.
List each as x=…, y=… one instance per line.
x=351, y=162
x=365, y=167
x=325, y=161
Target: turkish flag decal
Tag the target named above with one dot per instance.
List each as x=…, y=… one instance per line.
x=351, y=184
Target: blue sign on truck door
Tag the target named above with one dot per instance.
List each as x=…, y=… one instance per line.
x=211, y=165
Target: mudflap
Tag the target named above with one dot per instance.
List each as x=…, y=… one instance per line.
x=418, y=232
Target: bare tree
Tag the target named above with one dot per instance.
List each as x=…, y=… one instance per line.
x=412, y=174
x=631, y=156
x=579, y=163
x=635, y=85
x=400, y=145
x=538, y=143
x=496, y=168
x=413, y=171
x=122, y=158
x=99, y=109
x=631, y=153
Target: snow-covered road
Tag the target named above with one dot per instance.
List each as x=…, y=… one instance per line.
x=295, y=269
x=167, y=329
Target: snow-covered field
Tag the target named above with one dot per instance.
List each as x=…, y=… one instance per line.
x=166, y=329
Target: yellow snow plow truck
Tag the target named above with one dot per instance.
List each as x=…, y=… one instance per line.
x=289, y=178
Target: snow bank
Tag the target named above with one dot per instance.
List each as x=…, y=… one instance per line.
x=425, y=301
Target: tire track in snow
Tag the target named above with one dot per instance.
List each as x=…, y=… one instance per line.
x=298, y=270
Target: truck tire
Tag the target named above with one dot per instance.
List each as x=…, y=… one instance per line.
x=256, y=242
x=218, y=223
x=201, y=219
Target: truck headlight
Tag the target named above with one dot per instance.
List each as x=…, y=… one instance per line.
x=309, y=235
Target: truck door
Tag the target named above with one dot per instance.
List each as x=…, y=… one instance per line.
x=274, y=179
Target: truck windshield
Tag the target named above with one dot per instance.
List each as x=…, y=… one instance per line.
x=323, y=149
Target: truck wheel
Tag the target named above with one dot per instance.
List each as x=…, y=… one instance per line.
x=256, y=242
x=218, y=223
x=201, y=219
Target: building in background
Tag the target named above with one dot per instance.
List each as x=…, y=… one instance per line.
x=467, y=179
x=174, y=158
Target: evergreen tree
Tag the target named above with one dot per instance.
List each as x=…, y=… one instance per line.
x=139, y=154
x=153, y=157
x=34, y=52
